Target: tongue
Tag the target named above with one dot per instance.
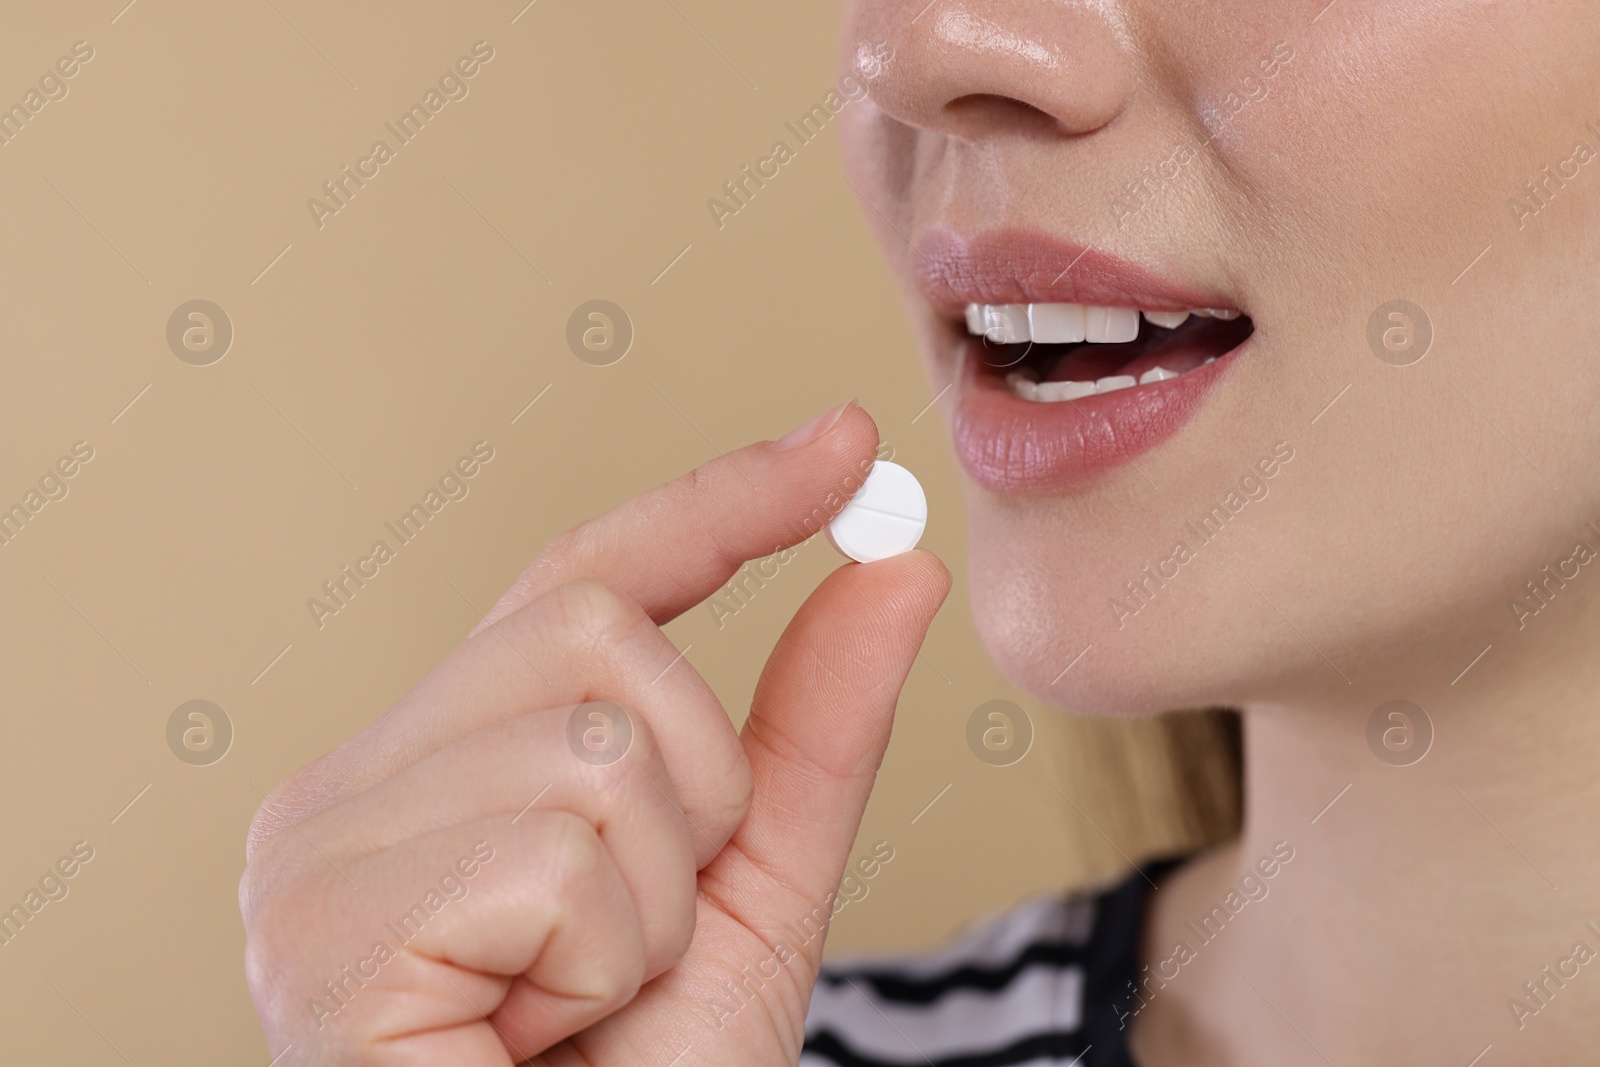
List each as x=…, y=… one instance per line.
x=1177, y=350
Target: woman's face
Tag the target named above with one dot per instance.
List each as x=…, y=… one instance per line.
x=1316, y=511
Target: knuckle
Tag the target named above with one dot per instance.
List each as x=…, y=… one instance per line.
x=275, y=924
x=620, y=775
x=578, y=863
x=644, y=754
x=576, y=856
x=623, y=977
x=679, y=934
x=282, y=947
x=738, y=789
x=293, y=800
x=594, y=611
x=264, y=826
x=268, y=884
x=584, y=615
x=252, y=892
x=700, y=483
x=594, y=616
x=263, y=960
x=264, y=925
x=618, y=980
x=704, y=502
x=275, y=814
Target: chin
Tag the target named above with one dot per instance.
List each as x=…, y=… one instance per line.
x=1042, y=631
x=1040, y=606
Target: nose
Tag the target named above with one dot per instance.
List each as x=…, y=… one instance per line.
x=975, y=68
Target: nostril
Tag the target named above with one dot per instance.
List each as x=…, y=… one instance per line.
x=981, y=114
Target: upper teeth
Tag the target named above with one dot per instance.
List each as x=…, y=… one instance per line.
x=1007, y=324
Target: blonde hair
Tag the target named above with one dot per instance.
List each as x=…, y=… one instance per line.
x=1154, y=786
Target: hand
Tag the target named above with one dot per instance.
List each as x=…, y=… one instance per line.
x=456, y=885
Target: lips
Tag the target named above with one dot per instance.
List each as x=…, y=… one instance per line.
x=1039, y=418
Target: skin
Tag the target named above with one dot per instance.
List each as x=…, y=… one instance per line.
x=1377, y=164
x=596, y=912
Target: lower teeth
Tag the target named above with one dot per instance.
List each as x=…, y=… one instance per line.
x=1051, y=392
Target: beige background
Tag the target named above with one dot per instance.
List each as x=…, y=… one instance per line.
x=368, y=355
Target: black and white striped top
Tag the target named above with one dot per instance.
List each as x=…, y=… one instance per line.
x=1046, y=985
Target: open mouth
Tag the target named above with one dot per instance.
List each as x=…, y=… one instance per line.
x=1055, y=396
x=1071, y=362
x=1052, y=353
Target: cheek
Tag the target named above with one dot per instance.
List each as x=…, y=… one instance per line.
x=880, y=159
x=1393, y=140
x=1394, y=147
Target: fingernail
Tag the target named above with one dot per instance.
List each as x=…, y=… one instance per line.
x=811, y=429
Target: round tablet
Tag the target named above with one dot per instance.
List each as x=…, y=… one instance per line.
x=885, y=518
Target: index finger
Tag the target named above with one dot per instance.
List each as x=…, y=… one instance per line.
x=673, y=546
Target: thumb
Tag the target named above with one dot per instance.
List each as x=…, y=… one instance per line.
x=820, y=722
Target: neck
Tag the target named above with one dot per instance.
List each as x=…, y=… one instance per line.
x=1425, y=900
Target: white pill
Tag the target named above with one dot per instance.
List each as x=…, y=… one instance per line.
x=885, y=518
